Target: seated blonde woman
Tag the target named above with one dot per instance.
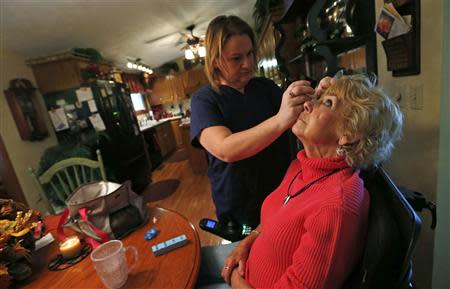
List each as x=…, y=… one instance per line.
x=313, y=226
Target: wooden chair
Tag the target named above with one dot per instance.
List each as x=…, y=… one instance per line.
x=65, y=176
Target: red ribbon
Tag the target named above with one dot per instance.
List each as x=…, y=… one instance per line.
x=83, y=212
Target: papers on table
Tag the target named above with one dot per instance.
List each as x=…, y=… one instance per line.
x=391, y=24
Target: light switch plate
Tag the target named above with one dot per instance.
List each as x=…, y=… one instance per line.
x=416, y=96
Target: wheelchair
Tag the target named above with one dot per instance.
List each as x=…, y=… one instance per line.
x=393, y=231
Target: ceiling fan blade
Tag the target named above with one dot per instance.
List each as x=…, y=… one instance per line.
x=160, y=37
x=180, y=41
x=184, y=47
x=187, y=33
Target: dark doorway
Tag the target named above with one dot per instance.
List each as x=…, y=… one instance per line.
x=9, y=184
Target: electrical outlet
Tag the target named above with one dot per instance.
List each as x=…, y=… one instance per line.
x=416, y=96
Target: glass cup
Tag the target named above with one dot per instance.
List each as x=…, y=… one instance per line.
x=110, y=262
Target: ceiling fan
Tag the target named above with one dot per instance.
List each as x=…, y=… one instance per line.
x=187, y=39
x=191, y=38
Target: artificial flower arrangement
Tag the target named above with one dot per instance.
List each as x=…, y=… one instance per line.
x=17, y=236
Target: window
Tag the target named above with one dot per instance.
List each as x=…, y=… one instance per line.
x=138, y=102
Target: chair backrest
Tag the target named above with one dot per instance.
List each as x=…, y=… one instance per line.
x=392, y=234
x=65, y=176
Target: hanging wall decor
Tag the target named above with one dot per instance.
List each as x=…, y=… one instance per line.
x=24, y=107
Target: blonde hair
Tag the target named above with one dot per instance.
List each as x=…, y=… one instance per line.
x=370, y=114
x=220, y=29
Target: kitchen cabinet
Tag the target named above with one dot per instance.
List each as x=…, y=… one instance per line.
x=165, y=138
x=153, y=150
x=168, y=89
x=60, y=72
x=134, y=82
x=175, y=123
x=159, y=90
x=193, y=79
x=197, y=157
x=178, y=86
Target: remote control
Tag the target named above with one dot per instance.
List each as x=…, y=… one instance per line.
x=169, y=245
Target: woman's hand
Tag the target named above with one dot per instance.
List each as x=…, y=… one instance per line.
x=292, y=103
x=237, y=258
x=238, y=281
x=324, y=84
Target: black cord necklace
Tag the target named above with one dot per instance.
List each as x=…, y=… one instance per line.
x=307, y=186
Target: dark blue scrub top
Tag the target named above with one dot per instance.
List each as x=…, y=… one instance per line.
x=239, y=188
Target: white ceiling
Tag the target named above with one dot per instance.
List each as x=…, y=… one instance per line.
x=118, y=29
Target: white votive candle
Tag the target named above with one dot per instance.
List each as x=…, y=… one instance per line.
x=71, y=247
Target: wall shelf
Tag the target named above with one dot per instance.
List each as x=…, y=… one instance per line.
x=309, y=49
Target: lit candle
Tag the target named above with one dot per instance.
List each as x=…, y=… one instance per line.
x=71, y=247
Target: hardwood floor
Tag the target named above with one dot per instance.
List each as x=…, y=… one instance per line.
x=191, y=196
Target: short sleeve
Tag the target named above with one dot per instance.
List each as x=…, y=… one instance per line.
x=204, y=113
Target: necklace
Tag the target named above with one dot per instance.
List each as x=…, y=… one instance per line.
x=307, y=186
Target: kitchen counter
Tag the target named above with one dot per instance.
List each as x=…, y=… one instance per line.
x=154, y=123
x=185, y=122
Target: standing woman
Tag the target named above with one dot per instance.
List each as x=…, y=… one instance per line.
x=241, y=121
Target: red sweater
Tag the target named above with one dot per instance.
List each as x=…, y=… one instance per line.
x=317, y=238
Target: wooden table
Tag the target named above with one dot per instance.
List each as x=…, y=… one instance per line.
x=175, y=269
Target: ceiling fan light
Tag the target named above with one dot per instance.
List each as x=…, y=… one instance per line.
x=129, y=65
x=265, y=64
x=202, y=51
x=188, y=54
x=274, y=62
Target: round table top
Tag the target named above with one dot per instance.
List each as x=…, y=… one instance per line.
x=175, y=269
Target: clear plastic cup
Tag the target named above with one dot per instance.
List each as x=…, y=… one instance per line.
x=111, y=264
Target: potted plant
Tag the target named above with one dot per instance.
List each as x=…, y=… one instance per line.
x=17, y=226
